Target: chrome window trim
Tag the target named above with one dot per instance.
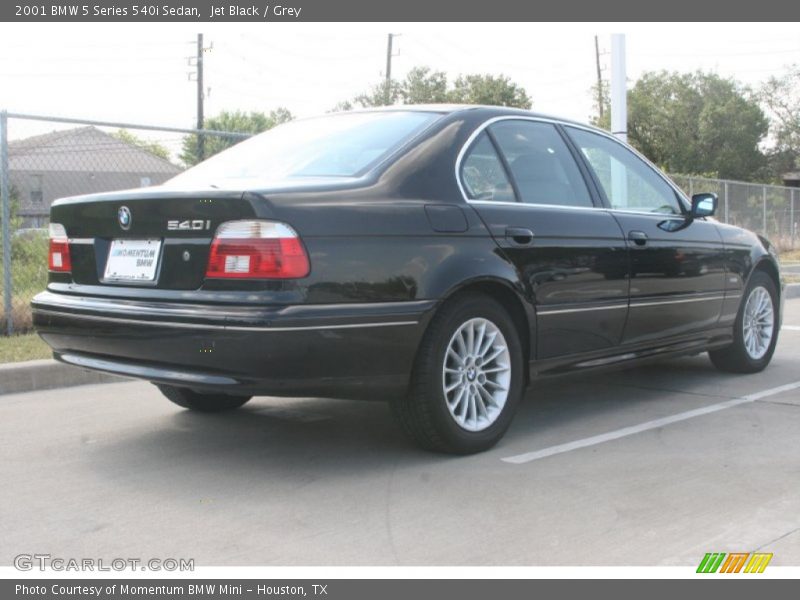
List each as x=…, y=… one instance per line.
x=532, y=205
x=473, y=136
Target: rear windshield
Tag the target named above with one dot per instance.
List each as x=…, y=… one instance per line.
x=338, y=145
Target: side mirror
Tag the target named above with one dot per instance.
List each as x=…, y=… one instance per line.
x=704, y=205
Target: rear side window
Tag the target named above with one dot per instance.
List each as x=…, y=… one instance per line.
x=629, y=183
x=483, y=175
x=541, y=164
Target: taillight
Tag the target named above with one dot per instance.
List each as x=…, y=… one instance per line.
x=58, y=258
x=257, y=250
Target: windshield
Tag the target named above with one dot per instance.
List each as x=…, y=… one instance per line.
x=338, y=145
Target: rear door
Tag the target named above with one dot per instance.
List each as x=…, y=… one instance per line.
x=677, y=265
x=522, y=178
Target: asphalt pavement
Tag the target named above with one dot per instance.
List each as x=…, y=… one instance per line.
x=650, y=466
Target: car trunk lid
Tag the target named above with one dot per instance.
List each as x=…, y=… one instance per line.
x=174, y=229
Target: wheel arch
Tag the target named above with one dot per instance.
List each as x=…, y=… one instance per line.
x=512, y=299
x=767, y=265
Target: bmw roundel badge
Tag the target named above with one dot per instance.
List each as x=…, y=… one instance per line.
x=124, y=217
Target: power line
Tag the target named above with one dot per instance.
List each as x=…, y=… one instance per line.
x=719, y=54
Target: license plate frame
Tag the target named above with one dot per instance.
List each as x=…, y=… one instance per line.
x=123, y=262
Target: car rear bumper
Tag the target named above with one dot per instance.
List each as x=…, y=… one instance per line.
x=334, y=350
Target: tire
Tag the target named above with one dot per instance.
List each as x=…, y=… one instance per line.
x=209, y=403
x=740, y=357
x=445, y=421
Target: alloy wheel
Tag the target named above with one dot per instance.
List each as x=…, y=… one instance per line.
x=476, y=374
x=758, y=323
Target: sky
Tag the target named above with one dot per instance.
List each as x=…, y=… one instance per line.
x=138, y=72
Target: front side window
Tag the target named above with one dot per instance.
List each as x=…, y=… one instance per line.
x=629, y=183
x=541, y=164
x=338, y=145
x=483, y=175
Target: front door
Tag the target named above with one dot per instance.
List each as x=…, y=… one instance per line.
x=677, y=265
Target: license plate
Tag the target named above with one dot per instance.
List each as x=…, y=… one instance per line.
x=132, y=260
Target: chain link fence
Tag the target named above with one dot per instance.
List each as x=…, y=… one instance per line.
x=770, y=210
x=45, y=158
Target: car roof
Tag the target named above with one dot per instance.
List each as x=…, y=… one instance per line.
x=452, y=109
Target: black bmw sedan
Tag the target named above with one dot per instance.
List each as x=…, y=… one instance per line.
x=439, y=258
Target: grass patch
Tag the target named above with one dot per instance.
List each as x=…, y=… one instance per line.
x=790, y=256
x=28, y=277
x=23, y=347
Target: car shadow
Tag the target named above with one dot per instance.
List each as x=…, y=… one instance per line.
x=298, y=441
x=559, y=409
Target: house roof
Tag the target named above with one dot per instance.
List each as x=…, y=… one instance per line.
x=86, y=149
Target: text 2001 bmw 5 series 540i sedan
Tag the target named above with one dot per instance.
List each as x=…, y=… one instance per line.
x=437, y=257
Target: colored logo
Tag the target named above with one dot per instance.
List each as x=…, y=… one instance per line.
x=124, y=217
x=734, y=562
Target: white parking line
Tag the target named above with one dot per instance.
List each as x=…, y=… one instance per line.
x=791, y=327
x=655, y=424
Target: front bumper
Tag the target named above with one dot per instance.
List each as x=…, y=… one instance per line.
x=334, y=350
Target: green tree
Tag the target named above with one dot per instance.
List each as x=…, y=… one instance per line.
x=385, y=93
x=234, y=122
x=134, y=140
x=696, y=123
x=424, y=86
x=602, y=106
x=496, y=90
x=781, y=97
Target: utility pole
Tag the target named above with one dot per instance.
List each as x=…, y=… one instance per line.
x=389, y=55
x=201, y=142
x=619, y=99
x=196, y=75
x=600, y=108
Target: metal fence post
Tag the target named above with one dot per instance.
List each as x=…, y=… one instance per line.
x=791, y=219
x=727, y=218
x=764, y=211
x=5, y=198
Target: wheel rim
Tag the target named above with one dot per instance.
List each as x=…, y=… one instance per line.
x=758, y=323
x=476, y=374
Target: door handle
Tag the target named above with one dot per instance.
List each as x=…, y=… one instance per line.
x=638, y=237
x=519, y=236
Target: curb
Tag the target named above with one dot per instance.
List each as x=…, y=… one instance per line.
x=792, y=290
x=47, y=374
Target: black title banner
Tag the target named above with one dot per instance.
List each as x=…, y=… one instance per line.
x=398, y=10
